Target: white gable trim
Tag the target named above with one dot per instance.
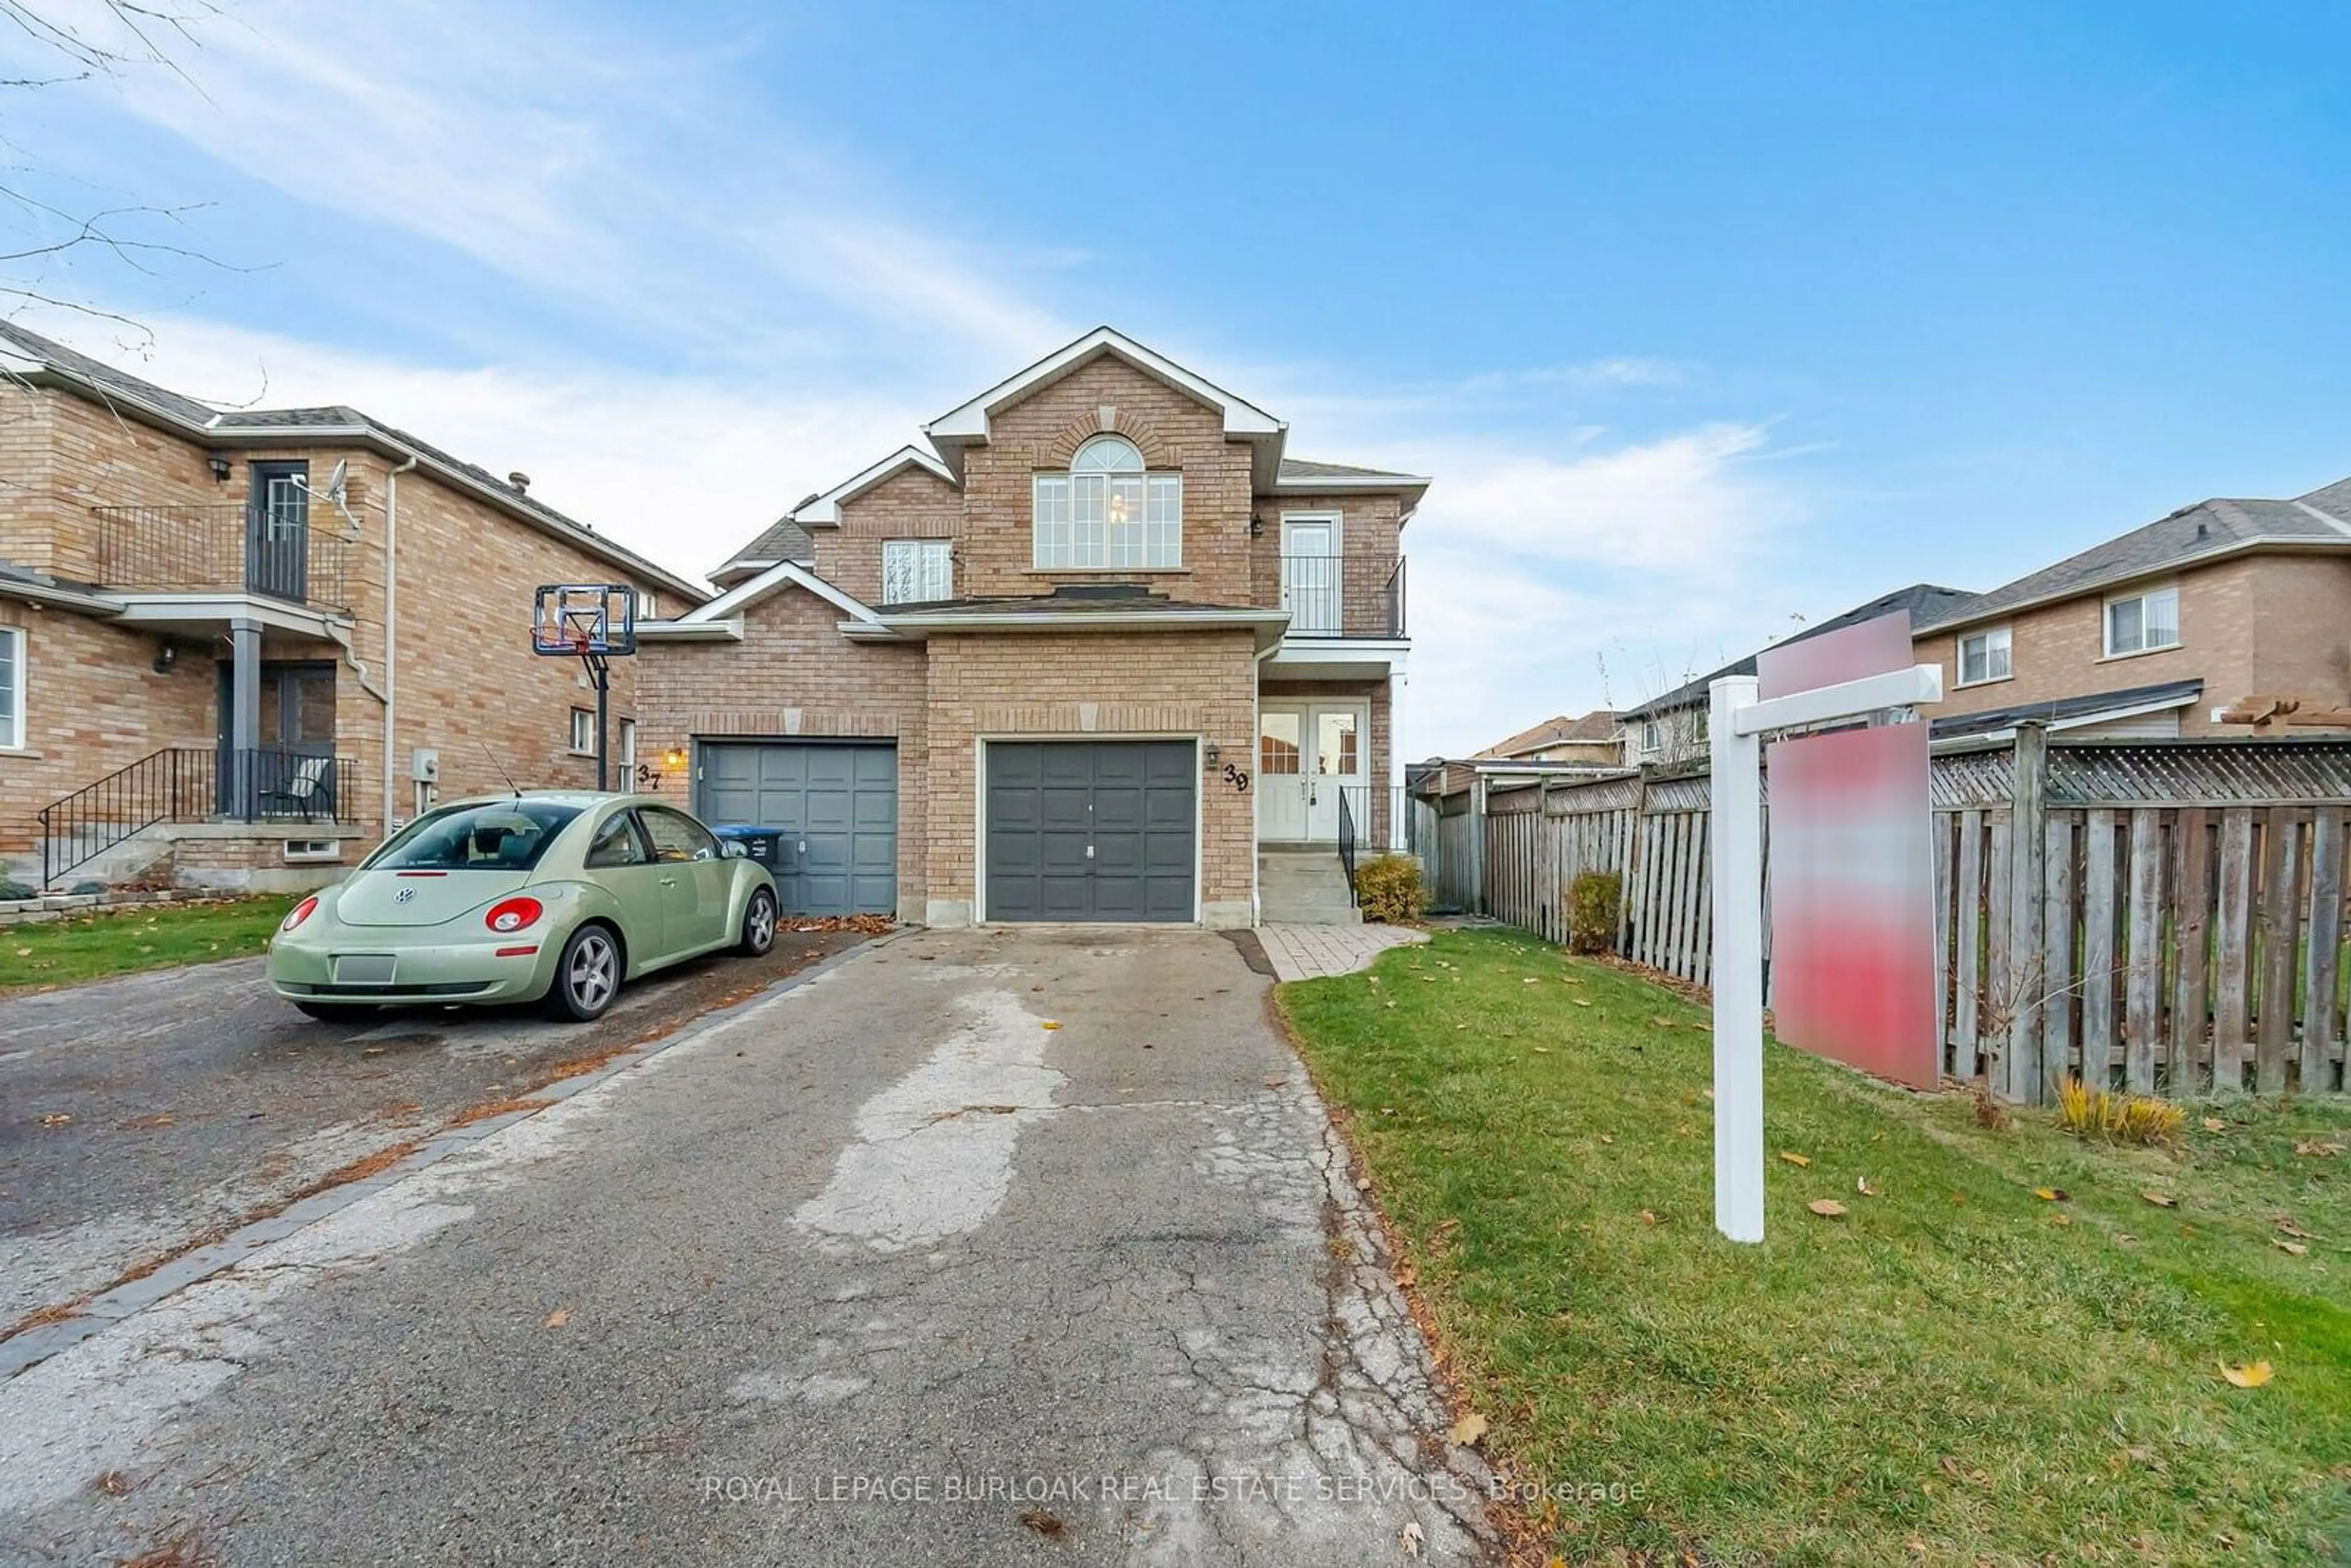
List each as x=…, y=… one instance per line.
x=968, y=421
x=825, y=510
x=783, y=574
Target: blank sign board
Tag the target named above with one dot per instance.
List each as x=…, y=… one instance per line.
x=1852, y=912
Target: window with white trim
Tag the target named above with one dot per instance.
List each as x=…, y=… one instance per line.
x=1108, y=512
x=1986, y=656
x=583, y=732
x=12, y=688
x=628, y=744
x=2143, y=622
x=917, y=572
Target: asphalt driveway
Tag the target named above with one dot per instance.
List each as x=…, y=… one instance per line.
x=973, y=1249
x=142, y=1114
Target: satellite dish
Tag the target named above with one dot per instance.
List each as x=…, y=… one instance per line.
x=338, y=483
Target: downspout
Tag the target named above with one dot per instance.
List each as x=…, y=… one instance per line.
x=390, y=628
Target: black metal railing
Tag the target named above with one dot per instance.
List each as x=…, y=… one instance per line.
x=195, y=784
x=1347, y=841
x=1314, y=591
x=228, y=547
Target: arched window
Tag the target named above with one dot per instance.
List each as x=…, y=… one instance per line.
x=1107, y=512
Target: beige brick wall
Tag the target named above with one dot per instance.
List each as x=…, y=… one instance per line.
x=467, y=685
x=915, y=504
x=1044, y=430
x=793, y=674
x=1168, y=684
x=2256, y=624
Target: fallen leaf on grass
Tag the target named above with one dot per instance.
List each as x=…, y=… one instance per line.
x=2213, y=1124
x=1541, y=1050
x=2296, y=1248
x=1861, y=1184
x=558, y=1317
x=2296, y=1231
x=1795, y=1159
x=1579, y=1001
x=2053, y=1195
x=1468, y=1430
x=2251, y=1376
x=2061, y=1219
x=1606, y=1139
x=1531, y=981
x=2321, y=1150
x=2161, y=1200
x=1826, y=1207
x=1648, y=1217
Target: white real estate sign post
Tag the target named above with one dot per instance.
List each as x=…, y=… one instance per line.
x=1738, y=723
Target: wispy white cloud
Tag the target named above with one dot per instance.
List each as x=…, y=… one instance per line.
x=812, y=317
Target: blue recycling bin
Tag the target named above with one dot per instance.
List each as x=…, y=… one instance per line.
x=764, y=845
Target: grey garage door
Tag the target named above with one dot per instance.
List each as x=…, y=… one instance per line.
x=1095, y=830
x=837, y=806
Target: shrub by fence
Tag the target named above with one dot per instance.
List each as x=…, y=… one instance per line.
x=2156, y=916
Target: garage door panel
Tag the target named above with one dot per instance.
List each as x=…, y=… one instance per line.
x=837, y=806
x=1132, y=803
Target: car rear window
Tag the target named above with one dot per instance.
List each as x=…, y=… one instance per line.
x=504, y=835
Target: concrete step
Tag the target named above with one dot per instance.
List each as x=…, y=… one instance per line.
x=1303, y=886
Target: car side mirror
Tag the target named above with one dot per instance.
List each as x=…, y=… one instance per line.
x=733, y=849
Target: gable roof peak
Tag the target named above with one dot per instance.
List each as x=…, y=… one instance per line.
x=967, y=424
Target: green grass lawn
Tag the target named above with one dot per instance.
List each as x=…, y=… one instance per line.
x=86, y=948
x=1946, y=1373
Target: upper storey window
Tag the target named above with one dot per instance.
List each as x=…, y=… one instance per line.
x=1107, y=512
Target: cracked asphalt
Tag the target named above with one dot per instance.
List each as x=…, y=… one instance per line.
x=976, y=1248
x=193, y=1098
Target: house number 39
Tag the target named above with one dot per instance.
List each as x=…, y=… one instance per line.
x=1237, y=779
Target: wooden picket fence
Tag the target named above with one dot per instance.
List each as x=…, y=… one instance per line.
x=2167, y=918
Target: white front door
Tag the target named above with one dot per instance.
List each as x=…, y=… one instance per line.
x=1312, y=758
x=1310, y=575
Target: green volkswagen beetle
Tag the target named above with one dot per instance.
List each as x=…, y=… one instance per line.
x=558, y=896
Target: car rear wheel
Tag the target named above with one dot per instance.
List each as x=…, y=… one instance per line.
x=588, y=974
x=335, y=1012
x=759, y=925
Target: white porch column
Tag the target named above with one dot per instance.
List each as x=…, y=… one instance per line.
x=1397, y=804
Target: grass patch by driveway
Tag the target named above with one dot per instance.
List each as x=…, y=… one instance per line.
x=1956, y=1370
x=149, y=936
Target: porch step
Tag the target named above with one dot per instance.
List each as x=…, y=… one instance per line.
x=1303, y=886
x=120, y=861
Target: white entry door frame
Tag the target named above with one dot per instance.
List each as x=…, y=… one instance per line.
x=1311, y=587
x=1313, y=754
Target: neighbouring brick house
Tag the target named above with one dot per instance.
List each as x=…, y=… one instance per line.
x=1595, y=739
x=209, y=645
x=1099, y=650
x=2155, y=632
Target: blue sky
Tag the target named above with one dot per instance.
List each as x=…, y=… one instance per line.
x=1710, y=320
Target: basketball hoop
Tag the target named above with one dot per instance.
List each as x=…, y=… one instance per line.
x=593, y=622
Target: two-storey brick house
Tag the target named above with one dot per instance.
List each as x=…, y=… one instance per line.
x=234, y=644
x=1091, y=653
x=2156, y=633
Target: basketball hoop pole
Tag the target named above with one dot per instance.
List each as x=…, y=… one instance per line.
x=601, y=669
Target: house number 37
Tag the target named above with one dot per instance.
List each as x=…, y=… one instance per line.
x=1237, y=777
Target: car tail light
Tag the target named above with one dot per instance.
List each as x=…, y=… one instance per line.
x=299, y=912
x=514, y=914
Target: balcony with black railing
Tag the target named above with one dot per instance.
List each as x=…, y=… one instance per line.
x=228, y=547
x=1344, y=595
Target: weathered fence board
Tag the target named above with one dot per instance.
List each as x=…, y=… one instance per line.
x=2167, y=918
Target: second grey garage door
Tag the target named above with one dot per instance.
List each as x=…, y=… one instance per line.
x=1090, y=829
x=837, y=805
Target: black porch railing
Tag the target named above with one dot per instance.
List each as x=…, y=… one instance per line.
x=195, y=784
x=228, y=547
x=1315, y=590
x=1347, y=841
